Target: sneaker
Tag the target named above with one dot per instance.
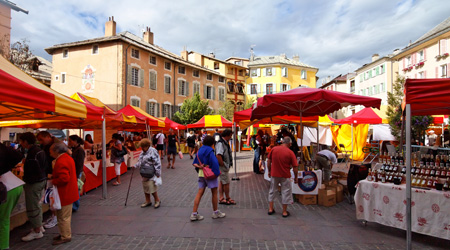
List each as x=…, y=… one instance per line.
x=51, y=223
x=195, y=217
x=217, y=214
x=42, y=229
x=33, y=236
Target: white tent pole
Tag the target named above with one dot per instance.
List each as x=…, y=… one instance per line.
x=408, y=176
x=235, y=178
x=352, y=142
x=301, y=141
x=104, y=193
x=318, y=139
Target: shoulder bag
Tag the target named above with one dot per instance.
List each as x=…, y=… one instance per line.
x=207, y=172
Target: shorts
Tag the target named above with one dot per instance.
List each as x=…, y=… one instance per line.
x=224, y=176
x=286, y=189
x=172, y=150
x=117, y=168
x=149, y=186
x=203, y=183
x=159, y=146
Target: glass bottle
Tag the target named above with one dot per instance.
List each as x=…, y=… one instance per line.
x=423, y=181
x=404, y=169
x=414, y=180
x=447, y=184
x=369, y=175
x=433, y=171
x=435, y=180
x=430, y=182
x=428, y=170
x=400, y=159
x=383, y=177
x=438, y=171
x=422, y=170
x=395, y=170
x=422, y=160
x=380, y=158
x=442, y=163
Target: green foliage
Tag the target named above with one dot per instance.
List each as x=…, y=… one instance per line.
x=249, y=102
x=227, y=110
x=192, y=110
x=394, y=113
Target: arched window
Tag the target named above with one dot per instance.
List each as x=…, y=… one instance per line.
x=230, y=87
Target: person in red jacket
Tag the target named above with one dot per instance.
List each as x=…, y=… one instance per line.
x=65, y=179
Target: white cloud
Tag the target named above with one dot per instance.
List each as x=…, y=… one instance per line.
x=335, y=36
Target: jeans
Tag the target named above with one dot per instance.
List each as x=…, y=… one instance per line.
x=256, y=160
x=76, y=204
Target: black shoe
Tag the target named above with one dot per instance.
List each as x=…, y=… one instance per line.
x=271, y=212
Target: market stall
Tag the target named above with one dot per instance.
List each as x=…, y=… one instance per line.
x=211, y=121
x=385, y=203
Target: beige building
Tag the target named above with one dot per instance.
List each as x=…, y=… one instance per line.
x=428, y=56
x=338, y=83
x=5, y=24
x=122, y=68
x=375, y=79
x=232, y=71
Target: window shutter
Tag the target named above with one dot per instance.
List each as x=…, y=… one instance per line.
x=258, y=72
x=141, y=78
x=147, y=109
x=205, y=92
x=258, y=88
x=274, y=72
x=249, y=89
x=187, y=88
x=129, y=74
x=403, y=62
x=180, y=87
x=288, y=87
x=264, y=72
x=424, y=74
x=444, y=47
x=170, y=111
x=448, y=70
x=437, y=72
x=264, y=89
x=214, y=93
x=157, y=109
x=424, y=54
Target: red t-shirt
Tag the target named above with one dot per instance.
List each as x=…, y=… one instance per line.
x=282, y=159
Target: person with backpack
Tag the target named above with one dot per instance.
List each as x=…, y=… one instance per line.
x=191, y=142
x=149, y=165
x=225, y=158
x=258, y=145
x=172, y=148
x=116, y=156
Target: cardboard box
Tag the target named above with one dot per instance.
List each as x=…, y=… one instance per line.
x=327, y=197
x=307, y=199
x=339, y=190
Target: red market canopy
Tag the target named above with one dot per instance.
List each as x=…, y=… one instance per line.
x=171, y=124
x=24, y=98
x=428, y=96
x=211, y=121
x=308, y=102
x=364, y=116
x=139, y=113
x=242, y=118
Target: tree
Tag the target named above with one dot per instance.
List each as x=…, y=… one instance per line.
x=394, y=113
x=249, y=102
x=227, y=110
x=20, y=54
x=192, y=110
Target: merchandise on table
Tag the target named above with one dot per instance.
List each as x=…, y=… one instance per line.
x=426, y=171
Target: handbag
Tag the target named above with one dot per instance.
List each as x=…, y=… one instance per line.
x=180, y=154
x=207, y=171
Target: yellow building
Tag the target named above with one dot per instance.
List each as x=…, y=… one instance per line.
x=232, y=70
x=275, y=74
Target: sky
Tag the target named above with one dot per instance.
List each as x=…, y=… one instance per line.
x=337, y=37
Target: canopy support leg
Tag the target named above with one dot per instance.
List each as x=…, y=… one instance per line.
x=235, y=178
x=352, y=143
x=104, y=187
x=408, y=177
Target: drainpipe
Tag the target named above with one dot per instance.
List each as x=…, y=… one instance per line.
x=174, y=88
x=126, y=74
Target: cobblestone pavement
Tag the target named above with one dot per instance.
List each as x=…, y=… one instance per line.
x=108, y=224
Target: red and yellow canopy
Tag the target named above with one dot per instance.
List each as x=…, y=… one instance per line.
x=211, y=121
x=139, y=113
x=24, y=98
x=171, y=124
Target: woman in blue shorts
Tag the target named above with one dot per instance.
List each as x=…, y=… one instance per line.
x=207, y=158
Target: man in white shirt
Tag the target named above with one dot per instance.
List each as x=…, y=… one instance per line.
x=325, y=161
x=160, y=144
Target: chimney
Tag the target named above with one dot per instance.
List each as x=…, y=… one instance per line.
x=148, y=36
x=184, y=54
x=283, y=55
x=296, y=58
x=396, y=51
x=211, y=54
x=375, y=57
x=110, y=27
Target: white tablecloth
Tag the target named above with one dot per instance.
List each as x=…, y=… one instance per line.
x=385, y=203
